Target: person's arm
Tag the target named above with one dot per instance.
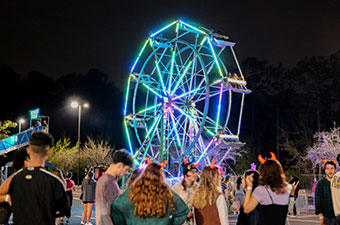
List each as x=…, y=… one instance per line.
x=5, y=185
x=116, y=215
x=181, y=210
x=250, y=201
x=294, y=188
x=226, y=193
x=62, y=203
x=73, y=185
x=318, y=202
x=222, y=210
x=6, y=198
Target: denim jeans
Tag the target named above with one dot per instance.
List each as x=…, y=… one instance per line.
x=332, y=221
x=291, y=206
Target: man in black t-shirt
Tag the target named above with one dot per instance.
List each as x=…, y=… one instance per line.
x=37, y=195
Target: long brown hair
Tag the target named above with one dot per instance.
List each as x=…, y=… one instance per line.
x=150, y=194
x=207, y=191
x=272, y=175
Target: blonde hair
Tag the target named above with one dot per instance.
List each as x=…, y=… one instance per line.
x=150, y=194
x=207, y=191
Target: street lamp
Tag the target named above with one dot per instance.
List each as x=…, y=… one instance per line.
x=74, y=105
x=21, y=121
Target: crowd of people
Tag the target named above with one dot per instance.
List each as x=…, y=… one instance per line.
x=203, y=197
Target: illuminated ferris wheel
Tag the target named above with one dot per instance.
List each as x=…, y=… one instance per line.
x=179, y=97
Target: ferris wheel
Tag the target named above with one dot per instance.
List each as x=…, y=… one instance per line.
x=179, y=97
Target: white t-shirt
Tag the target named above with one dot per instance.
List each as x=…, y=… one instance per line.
x=222, y=210
x=264, y=196
x=335, y=189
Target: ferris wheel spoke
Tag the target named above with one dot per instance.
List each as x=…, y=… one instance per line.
x=201, y=97
x=154, y=125
x=172, y=68
x=160, y=77
x=180, y=78
x=152, y=90
x=149, y=108
x=174, y=124
x=198, y=88
x=181, y=110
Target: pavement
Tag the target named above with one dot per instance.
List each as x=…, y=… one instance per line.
x=303, y=218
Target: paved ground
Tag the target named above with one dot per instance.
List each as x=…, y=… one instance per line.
x=305, y=218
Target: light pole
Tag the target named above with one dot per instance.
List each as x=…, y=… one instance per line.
x=21, y=121
x=75, y=104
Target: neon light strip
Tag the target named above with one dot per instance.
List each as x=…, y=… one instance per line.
x=171, y=69
x=204, y=39
x=160, y=77
x=128, y=136
x=210, y=132
x=181, y=111
x=180, y=79
x=153, y=125
x=229, y=136
x=187, y=93
x=140, y=53
x=241, y=112
x=174, y=125
x=150, y=108
x=219, y=108
x=218, y=65
x=192, y=27
x=242, y=82
x=166, y=27
x=205, y=150
x=238, y=66
x=150, y=141
x=153, y=91
x=127, y=95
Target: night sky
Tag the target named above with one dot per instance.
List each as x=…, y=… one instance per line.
x=59, y=37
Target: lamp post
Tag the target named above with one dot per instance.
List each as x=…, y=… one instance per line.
x=74, y=105
x=21, y=121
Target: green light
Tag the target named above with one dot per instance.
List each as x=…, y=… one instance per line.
x=218, y=65
x=34, y=114
x=174, y=126
x=160, y=77
x=180, y=79
x=127, y=95
x=128, y=136
x=192, y=27
x=153, y=91
x=140, y=53
x=204, y=39
x=171, y=69
x=209, y=131
x=150, y=108
x=166, y=27
x=155, y=124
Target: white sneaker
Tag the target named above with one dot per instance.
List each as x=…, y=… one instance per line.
x=89, y=223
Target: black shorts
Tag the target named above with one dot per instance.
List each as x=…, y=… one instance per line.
x=85, y=202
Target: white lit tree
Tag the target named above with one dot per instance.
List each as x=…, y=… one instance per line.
x=326, y=146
